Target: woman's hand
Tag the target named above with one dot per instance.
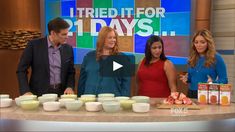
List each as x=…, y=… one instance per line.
x=28, y=93
x=184, y=78
x=68, y=91
x=209, y=80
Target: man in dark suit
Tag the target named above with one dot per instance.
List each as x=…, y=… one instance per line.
x=51, y=62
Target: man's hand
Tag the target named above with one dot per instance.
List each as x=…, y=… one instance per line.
x=68, y=91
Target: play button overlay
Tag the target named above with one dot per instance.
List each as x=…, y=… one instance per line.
x=117, y=66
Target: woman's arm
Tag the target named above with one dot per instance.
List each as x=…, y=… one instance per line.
x=171, y=75
x=82, y=78
x=221, y=70
x=137, y=78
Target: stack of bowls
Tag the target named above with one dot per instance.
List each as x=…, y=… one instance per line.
x=112, y=106
x=29, y=105
x=73, y=105
x=51, y=106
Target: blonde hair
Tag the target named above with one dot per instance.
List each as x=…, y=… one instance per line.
x=101, y=39
x=210, y=51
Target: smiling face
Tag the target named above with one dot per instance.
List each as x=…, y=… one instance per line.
x=200, y=44
x=110, y=40
x=156, y=50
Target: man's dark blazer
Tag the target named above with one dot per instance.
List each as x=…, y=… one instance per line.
x=35, y=56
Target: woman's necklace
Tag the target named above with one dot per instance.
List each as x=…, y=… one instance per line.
x=199, y=66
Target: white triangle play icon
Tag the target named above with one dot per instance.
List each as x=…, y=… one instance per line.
x=116, y=66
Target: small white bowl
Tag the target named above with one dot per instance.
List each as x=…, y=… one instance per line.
x=5, y=102
x=106, y=99
x=111, y=106
x=69, y=96
x=93, y=106
x=51, y=106
x=62, y=101
x=51, y=95
x=105, y=95
x=141, y=99
x=87, y=99
x=73, y=105
x=140, y=107
x=88, y=96
x=33, y=97
x=4, y=96
x=43, y=99
x=119, y=98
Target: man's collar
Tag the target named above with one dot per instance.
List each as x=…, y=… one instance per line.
x=50, y=44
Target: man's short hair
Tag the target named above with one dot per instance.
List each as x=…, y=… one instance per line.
x=57, y=24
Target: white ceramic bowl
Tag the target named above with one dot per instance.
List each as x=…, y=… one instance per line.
x=140, y=107
x=43, y=99
x=4, y=96
x=73, y=105
x=88, y=96
x=32, y=97
x=5, y=102
x=29, y=105
x=51, y=106
x=141, y=99
x=111, y=107
x=62, y=101
x=51, y=95
x=105, y=95
x=93, y=106
x=118, y=98
x=87, y=99
x=106, y=99
x=70, y=96
x=19, y=99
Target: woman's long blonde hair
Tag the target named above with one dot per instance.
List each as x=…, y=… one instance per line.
x=209, y=53
x=101, y=39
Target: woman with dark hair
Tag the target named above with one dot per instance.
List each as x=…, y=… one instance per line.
x=90, y=80
x=205, y=65
x=156, y=75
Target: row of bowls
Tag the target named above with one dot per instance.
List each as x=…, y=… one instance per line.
x=116, y=106
x=95, y=106
x=112, y=106
x=108, y=101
